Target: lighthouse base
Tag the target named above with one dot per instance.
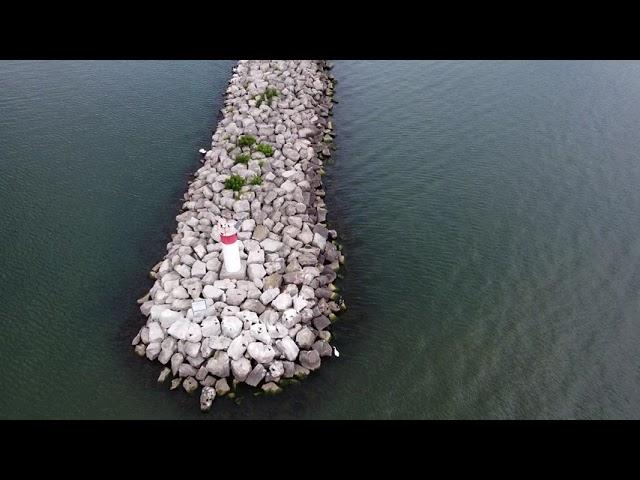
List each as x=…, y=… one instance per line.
x=239, y=275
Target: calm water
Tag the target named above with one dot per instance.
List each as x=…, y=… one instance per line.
x=509, y=190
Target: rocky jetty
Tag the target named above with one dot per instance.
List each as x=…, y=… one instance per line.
x=269, y=321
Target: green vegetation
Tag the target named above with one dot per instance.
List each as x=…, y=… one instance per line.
x=267, y=96
x=243, y=158
x=257, y=180
x=246, y=141
x=235, y=183
x=266, y=149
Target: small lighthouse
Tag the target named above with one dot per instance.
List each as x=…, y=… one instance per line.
x=230, y=248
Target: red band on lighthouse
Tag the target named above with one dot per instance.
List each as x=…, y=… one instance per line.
x=229, y=240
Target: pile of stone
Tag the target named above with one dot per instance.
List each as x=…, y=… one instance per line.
x=268, y=322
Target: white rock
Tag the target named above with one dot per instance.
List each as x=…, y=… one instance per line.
x=209, y=291
x=169, y=317
x=255, y=271
x=179, y=292
x=241, y=206
x=288, y=348
x=179, y=329
x=260, y=352
x=194, y=332
x=305, y=338
x=218, y=365
x=240, y=368
x=219, y=342
x=192, y=348
x=155, y=332
x=282, y=302
x=231, y=326
x=198, y=269
x=210, y=327
x=268, y=295
x=237, y=347
x=269, y=245
x=259, y=333
x=183, y=270
x=288, y=186
x=319, y=241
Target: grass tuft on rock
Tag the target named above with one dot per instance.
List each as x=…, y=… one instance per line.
x=246, y=141
x=257, y=180
x=243, y=158
x=266, y=149
x=235, y=183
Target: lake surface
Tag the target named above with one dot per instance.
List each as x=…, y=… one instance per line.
x=488, y=210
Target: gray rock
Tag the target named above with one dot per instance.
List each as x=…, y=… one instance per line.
x=256, y=375
x=282, y=302
x=183, y=270
x=272, y=281
x=319, y=241
x=255, y=271
x=175, y=383
x=241, y=206
x=240, y=368
x=270, y=246
x=235, y=296
x=323, y=348
x=310, y=359
x=190, y=384
x=176, y=361
x=218, y=365
x=164, y=375
x=192, y=348
x=321, y=322
x=152, y=351
x=288, y=348
x=202, y=373
x=222, y=387
x=271, y=388
x=268, y=295
x=305, y=338
x=260, y=233
x=289, y=369
x=186, y=370
x=253, y=305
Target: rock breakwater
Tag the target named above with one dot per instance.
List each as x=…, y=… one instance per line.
x=268, y=322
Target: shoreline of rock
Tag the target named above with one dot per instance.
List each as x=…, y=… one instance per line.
x=269, y=322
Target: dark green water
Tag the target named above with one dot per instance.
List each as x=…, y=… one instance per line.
x=510, y=188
